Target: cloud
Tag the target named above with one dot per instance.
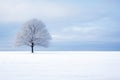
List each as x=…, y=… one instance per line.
x=103, y=30
x=22, y=10
x=76, y=33
x=17, y=10
x=69, y=22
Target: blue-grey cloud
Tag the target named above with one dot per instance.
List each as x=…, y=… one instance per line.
x=74, y=24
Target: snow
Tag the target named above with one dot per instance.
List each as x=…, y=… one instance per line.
x=60, y=65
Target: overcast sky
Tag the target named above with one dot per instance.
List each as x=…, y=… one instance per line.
x=73, y=24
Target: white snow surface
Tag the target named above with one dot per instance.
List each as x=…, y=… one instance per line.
x=60, y=65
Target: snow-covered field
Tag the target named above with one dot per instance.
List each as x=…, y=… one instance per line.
x=60, y=65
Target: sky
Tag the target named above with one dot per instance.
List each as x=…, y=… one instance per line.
x=75, y=25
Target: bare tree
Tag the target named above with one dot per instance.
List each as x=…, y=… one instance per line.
x=33, y=33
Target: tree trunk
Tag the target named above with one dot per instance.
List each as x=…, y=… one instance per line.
x=32, y=48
